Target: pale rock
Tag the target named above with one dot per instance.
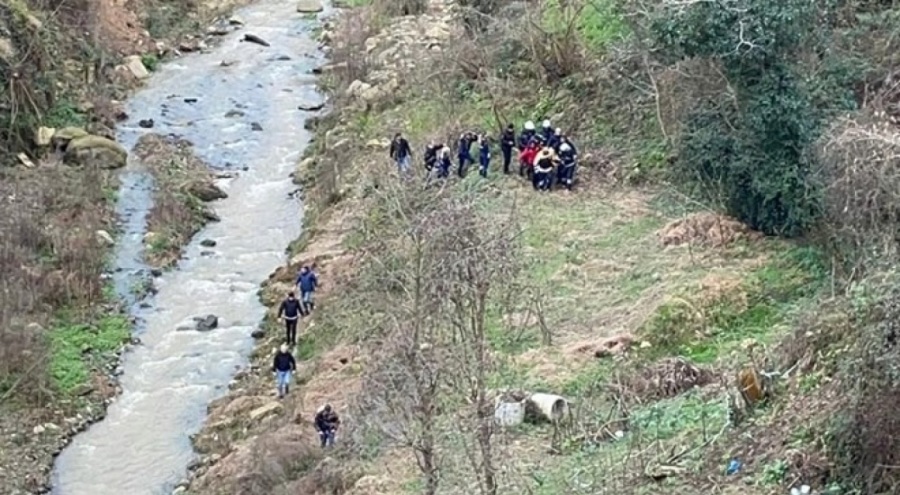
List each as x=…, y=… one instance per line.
x=309, y=6
x=382, y=144
x=7, y=52
x=105, y=238
x=136, y=66
x=266, y=410
x=25, y=161
x=96, y=150
x=44, y=136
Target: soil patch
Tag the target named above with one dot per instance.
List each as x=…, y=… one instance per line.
x=705, y=229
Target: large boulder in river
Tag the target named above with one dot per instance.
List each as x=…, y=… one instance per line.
x=205, y=191
x=95, y=151
x=309, y=6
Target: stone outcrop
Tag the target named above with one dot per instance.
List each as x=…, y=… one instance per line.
x=309, y=6
x=95, y=151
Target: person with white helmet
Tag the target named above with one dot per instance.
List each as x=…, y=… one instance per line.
x=547, y=131
x=526, y=136
x=566, y=171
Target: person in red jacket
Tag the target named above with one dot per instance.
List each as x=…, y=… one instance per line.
x=526, y=158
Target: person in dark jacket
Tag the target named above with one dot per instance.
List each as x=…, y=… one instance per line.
x=307, y=282
x=401, y=153
x=556, y=140
x=283, y=365
x=464, y=153
x=566, y=170
x=327, y=423
x=444, y=163
x=507, y=143
x=484, y=155
x=547, y=132
x=291, y=309
x=526, y=136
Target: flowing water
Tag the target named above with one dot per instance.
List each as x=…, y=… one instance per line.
x=143, y=447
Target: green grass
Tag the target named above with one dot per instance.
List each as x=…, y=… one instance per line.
x=78, y=349
x=772, y=292
x=599, y=23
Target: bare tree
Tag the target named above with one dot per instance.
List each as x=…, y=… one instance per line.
x=405, y=287
x=480, y=262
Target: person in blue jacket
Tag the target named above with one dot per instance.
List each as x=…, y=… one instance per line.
x=307, y=282
x=484, y=155
x=464, y=154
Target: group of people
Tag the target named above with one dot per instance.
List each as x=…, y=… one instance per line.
x=545, y=156
x=284, y=365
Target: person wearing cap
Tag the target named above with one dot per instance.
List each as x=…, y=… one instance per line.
x=507, y=143
x=547, y=131
x=526, y=136
x=283, y=366
x=484, y=155
x=290, y=310
x=326, y=423
x=566, y=171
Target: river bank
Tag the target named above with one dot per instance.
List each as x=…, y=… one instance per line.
x=83, y=343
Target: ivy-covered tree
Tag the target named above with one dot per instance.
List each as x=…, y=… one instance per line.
x=753, y=153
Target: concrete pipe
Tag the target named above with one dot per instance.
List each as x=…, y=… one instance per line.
x=550, y=407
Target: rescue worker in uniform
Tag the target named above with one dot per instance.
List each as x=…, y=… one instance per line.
x=507, y=143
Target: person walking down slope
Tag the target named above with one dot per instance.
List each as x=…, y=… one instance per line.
x=291, y=309
x=484, y=155
x=283, y=366
x=507, y=143
x=401, y=153
x=307, y=282
x=327, y=423
x=464, y=154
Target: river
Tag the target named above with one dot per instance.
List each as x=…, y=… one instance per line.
x=142, y=447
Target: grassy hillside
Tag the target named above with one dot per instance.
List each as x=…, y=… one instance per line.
x=686, y=112
x=718, y=290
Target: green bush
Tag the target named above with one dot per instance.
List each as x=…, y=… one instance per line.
x=749, y=148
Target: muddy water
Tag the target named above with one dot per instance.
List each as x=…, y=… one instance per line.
x=142, y=447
